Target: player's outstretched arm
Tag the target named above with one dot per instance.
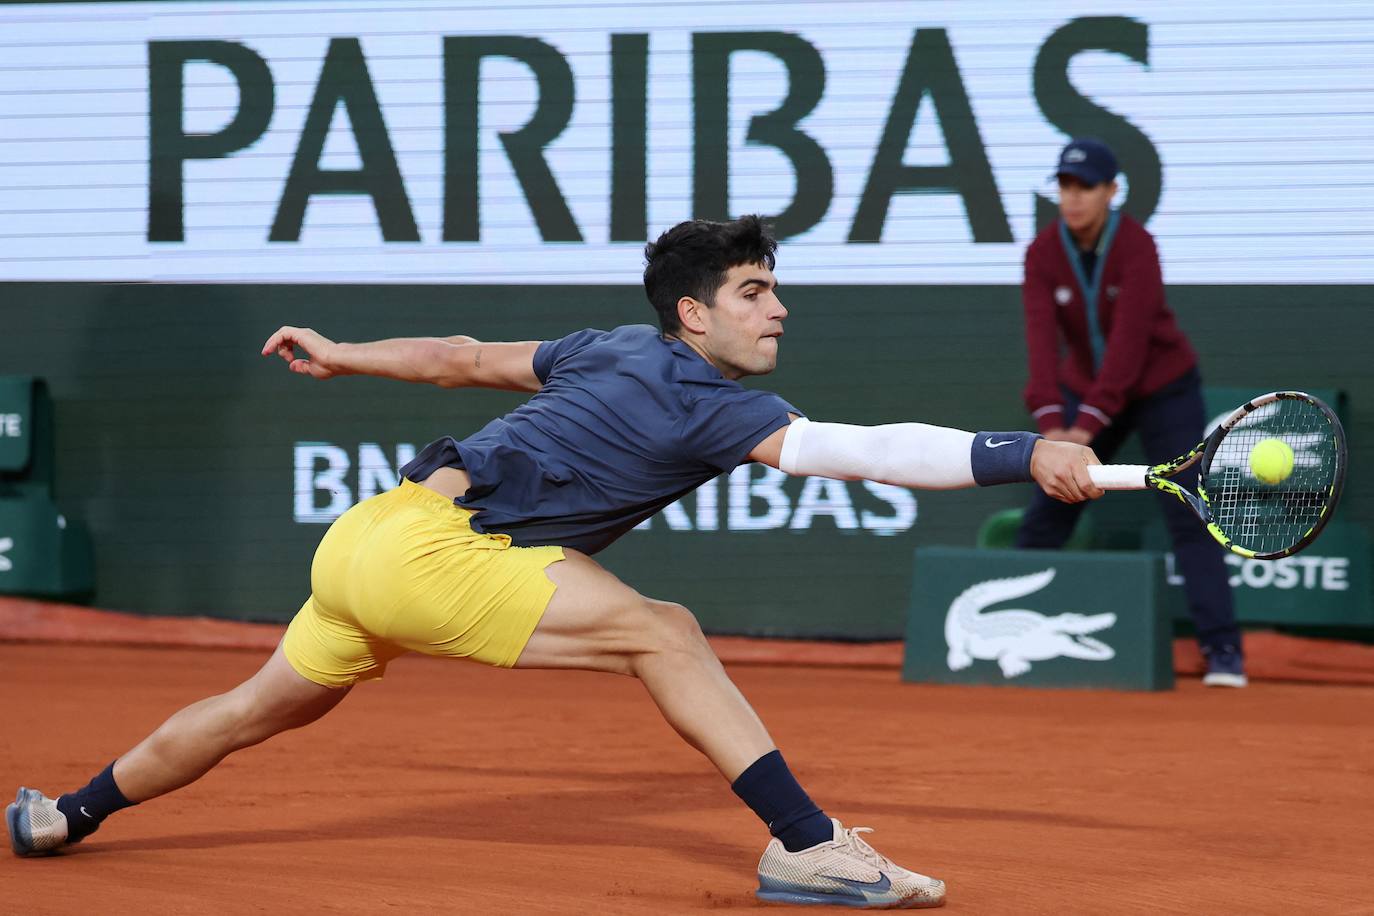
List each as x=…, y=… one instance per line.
x=929, y=457
x=450, y=362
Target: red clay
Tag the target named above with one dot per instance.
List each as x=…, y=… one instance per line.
x=450, y=787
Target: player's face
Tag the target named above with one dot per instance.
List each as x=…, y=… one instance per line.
x=744, y=327
x=1084, y=206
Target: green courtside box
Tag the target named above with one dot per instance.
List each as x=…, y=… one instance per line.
x=27, y=441
x=17, y=396
x=41, y=552
x=1038, y=619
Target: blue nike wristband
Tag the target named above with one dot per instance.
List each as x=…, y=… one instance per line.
x=1002, y=457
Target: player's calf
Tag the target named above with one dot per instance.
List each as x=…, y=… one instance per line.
x=182, y=750
x=195, y=739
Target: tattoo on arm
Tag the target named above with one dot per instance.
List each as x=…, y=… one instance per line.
x=479, y=357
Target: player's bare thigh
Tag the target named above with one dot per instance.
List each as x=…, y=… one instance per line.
x=287, y=697
x=595, y=621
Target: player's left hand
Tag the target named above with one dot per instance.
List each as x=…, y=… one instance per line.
x=1061, y=469
x=319, y=349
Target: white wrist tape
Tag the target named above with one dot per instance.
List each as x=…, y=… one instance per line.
x=904, y=454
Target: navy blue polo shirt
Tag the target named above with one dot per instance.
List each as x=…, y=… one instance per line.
x=626, y=422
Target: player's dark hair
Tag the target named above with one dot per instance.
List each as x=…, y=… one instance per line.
x=693, y=257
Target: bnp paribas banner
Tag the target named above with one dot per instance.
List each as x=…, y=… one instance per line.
x=542, y=142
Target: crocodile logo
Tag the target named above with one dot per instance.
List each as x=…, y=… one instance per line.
x=1015, y=637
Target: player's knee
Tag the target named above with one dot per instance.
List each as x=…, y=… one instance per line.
x=256, y=714
x=677, y=630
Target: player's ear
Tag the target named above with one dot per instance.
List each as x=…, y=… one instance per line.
x=691, y=312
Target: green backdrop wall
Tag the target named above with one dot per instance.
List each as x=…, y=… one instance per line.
x=177, y=443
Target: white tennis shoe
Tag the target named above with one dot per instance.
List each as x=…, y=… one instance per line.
x=36, y=826
x=843, y=872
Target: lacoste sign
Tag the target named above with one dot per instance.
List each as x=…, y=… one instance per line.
x=1003, y=617
x=1015, y=637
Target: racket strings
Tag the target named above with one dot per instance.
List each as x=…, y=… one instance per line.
x=1273, y=515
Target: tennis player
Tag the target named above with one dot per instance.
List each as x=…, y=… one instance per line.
x=484, y=549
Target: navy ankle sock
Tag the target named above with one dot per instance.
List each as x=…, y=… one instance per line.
x=86, y=808
x=769, y=788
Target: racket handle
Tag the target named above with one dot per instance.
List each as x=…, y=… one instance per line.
x=1119, y=476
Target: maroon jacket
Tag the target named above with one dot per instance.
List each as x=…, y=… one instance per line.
x=1144, y=348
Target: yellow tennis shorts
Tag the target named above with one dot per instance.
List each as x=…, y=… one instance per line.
x=404, y=572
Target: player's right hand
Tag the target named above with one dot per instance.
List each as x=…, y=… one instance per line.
x=318, y=348
x=1061, y=469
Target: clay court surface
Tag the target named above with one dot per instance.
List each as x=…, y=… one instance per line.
x=449, y=787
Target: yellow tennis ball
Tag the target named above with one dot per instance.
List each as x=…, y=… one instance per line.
x=1271, y=461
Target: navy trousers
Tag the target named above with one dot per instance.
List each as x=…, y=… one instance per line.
x=1170, y=422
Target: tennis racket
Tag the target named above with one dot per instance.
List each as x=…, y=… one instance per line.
x=1259, y=520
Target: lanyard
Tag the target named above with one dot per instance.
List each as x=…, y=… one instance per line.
x=1091, y=287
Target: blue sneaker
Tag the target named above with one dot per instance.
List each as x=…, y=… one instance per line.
x=36, y=827
x=1225, y=668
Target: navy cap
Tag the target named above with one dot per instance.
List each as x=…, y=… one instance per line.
x=1089, y=160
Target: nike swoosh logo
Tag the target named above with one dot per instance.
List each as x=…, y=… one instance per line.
x=83, y=810
x=990, y=444
x=884, y=883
